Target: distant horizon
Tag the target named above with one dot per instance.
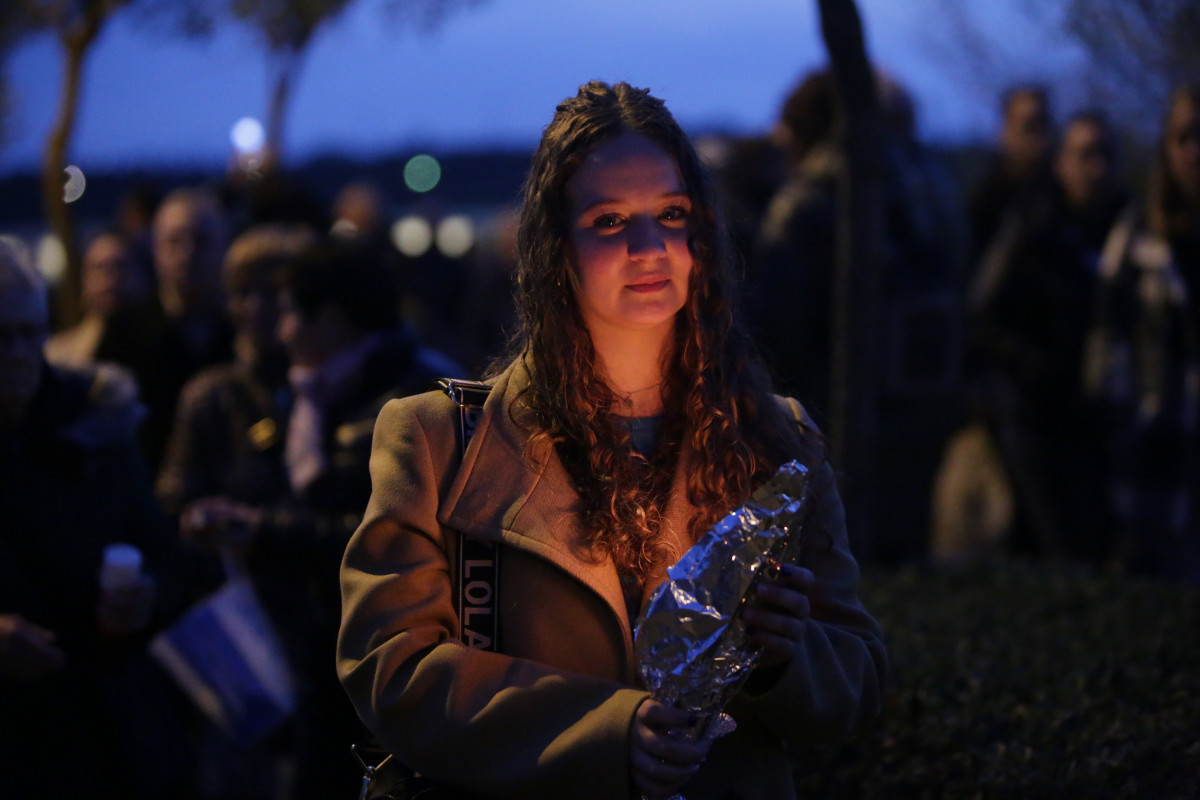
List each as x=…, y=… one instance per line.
x=490, y=77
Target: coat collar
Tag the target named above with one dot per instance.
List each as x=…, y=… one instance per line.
x=503, y=493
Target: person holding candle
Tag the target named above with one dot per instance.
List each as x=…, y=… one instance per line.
x=631, y=417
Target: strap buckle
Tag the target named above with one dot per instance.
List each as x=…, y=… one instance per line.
x=464, y=392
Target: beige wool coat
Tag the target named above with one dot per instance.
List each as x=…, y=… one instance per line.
x=549, y=717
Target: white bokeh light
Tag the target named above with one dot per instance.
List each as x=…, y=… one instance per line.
x=51, y=259
x=75, y=184
x=247, y=135
x=412, y=236
x=455, y=236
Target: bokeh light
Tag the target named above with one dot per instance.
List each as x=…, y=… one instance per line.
x=75, y=184
x=51, y=259
x=455, y=236
x=412, y=236
x=422, y=173
x=247, y=135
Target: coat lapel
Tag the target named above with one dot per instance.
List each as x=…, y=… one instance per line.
x=502, y=495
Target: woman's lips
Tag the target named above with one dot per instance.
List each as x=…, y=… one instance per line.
x=653, y=286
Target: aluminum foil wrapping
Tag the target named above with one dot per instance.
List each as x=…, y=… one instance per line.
x=690, y=638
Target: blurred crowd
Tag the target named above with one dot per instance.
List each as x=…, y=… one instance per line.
x=1038, y=392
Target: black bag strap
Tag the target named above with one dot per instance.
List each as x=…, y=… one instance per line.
x=477, y=599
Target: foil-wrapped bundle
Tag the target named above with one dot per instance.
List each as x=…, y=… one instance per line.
x=690, y=638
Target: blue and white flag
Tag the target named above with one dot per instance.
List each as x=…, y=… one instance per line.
x=227, y=657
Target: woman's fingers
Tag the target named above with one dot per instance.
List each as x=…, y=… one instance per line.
x=662, y=758
x=777, y=620
x=660, y=716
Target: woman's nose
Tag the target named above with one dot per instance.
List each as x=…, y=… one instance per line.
x=645, y=239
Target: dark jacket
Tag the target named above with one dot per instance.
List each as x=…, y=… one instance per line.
x=162, y=356
x=228, y=438
x=1030, y=308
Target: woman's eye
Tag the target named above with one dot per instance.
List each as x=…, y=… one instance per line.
x=607, y=221
x=673, y=213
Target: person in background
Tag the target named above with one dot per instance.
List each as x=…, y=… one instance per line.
x=358, y=211
x=1030, y=308
x=632, y=415
x=227, y=441
x=85, y=713
x=1143, y=357
x=1021, y=167
x=792, y=261
x=134, y=220
x=111, y=280
x=749, y=171
x=229, y=428
x=184, y=327
x=919, y=254
x=349, y=354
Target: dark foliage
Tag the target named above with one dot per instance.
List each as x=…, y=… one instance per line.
x=1021, y=680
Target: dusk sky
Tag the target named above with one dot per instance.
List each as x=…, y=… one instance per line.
x=493, y=74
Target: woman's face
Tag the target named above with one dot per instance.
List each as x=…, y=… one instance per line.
x=254, y=310
x=629, y=213
x=1183, y=147
x=110, y=277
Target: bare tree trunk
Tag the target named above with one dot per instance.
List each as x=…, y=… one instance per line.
x=286, y=73
x=76, y=42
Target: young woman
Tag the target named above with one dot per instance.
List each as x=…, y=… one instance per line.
x=1143, y=362
x=632, y=416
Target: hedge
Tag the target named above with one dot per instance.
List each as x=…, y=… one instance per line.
x=1025, y=680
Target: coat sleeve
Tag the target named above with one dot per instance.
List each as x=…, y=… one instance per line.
x=833, y=687
x=492, y=724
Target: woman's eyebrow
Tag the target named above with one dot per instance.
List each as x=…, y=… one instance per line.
x=605, y=201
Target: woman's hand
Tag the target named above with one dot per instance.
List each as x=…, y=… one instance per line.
x=662, y=759
x=778, y=618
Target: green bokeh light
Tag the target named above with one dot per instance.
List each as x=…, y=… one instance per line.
x=422, y=173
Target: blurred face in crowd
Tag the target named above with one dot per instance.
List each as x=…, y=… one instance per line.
x=311, y=340
x=1084, y=164
x=1025, y=138
x=188, y=248
x=1183, y=147
x=253, y=305
x=24, y=325
x=357, y=209
x=629, y=215
x=110, y=276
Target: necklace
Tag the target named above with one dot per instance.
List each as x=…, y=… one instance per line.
x=627, y=397
x=632, y=392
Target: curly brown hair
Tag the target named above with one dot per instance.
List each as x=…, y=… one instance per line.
x=716, y=393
